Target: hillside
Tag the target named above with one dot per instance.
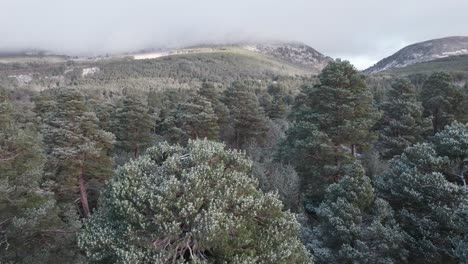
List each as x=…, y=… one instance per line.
x=294, y=52
x=452, y=64
x=175, y=68
x=422, y=52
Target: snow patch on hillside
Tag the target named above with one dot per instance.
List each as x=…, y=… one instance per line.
x=455, y=53
x=90, y=71
x=152, y=55
x=22, y=79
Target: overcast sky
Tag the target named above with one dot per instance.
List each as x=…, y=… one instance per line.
x=362, y=31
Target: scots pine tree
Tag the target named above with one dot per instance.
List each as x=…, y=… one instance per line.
x=317, y=161
x=331, y=121
x=132, y=125
x=402, y=123
x=191, y=120
x=77, y=150
x=355, y=226
x=452, y=142
x=31, y=227
x=104, y=112
x=196, y=204
x=247, y=118
x=277, y=106
x=211, y=93
x=426, y=188
x=341, y=106
x=441, y=100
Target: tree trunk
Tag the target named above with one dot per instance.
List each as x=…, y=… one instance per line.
x=353, y=150
x=335, y=150
x=83, y=193
x=135, y=152
x=461, y=173
x=435, y=121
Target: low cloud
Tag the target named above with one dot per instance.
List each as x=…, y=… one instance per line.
x=362, y=31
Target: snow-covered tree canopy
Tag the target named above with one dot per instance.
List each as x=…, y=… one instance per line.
x=197, y=203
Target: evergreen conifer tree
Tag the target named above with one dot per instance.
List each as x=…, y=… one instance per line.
x=195, y=204
x=426, y=188
x=441, y=100
x=330, y=121
x=77, y=150
x=211, y=93
x=191, y=120
x=132, y=125
x=247, y=118
x=355, y=226
x=402, y=123
x=32, y=229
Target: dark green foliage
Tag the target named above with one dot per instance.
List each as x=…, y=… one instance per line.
x=356, y=227
x=463, y=111
x=246, y=116
x=316, y=159
x=104, y=112
x=425, y=187
x=191, y=120
x=441, y=100
x=132, y=125
x=77, y=150
x=402, y=123
x=162, y=103
x=378, y=86
x=274, y=101
x=452, y=142
x=31, y=229
x=197, y=204
x=341, y=106
x=212, y=94
x=332, y=120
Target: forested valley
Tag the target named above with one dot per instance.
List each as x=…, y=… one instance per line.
x=174, y=161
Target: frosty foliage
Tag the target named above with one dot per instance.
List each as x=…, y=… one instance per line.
x=426, y=188
x=196, y=203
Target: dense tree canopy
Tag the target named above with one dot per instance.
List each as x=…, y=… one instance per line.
x=246, y=116
x=426, y=187
x=402, y=123
x=191, y=120
x=441, y=100
x=355, y=226
x=244, y=137
x=212, y=93
x=31, y=229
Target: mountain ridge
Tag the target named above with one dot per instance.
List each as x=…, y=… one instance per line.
x=425, y=51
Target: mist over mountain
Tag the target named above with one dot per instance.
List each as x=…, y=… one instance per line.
x=361, y=31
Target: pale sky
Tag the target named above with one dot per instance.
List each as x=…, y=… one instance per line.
x=362, y=31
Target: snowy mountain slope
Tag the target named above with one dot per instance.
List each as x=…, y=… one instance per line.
x=423, y=52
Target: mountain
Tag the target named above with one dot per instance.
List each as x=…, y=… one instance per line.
x=426, y=51
x=292, y=53
x=176, y=68
x=456, y=65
